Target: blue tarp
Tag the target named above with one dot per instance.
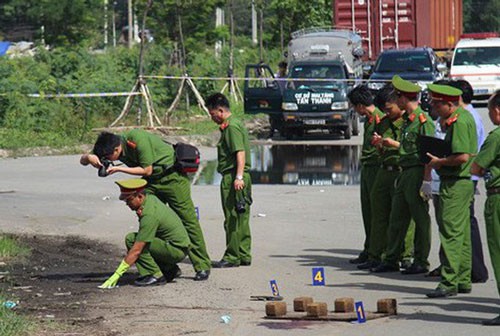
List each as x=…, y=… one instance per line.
x=4, y=46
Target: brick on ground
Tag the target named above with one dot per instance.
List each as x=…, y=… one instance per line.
x=276, y=308
x=344, y=305
x=317, y=309
x=387, y=306
x=300, y=303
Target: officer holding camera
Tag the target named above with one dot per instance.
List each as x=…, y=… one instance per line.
x=233, y=152
x=147, y=155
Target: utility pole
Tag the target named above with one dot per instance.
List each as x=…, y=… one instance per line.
x=254, y=24
x=261, y=26
x=105, y=23
x=130, y=36
x=114, y=23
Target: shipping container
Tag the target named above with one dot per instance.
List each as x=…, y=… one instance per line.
x=386, y=24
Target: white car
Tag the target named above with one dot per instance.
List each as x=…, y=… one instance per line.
x=477, y=60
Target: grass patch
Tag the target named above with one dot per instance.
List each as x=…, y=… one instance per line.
x=10, y=248
x=13, y=324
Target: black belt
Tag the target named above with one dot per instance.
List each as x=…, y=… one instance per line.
x=492, y=191
x=414, y=166
x=391, y=167
x=453, y=178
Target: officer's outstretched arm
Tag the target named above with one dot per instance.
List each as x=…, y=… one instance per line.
x=128, y=261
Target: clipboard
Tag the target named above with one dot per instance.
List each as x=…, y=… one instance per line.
x=435, y=146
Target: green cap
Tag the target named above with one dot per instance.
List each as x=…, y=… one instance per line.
x=404, y=86
x=444, y=92
x=130, y=187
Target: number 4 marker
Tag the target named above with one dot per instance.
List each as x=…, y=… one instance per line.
x=318, y=276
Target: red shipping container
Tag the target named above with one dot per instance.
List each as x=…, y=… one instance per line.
x=385, y=24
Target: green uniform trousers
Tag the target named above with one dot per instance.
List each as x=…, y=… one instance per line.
x=407, y=204
x=454, y=231
x=236, y=225
x=381, y=205
x=175, y=190
x=157, y=257
x=368, y=174
x=492, y=219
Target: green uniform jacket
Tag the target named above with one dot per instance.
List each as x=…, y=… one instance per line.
x=234, y=138
x=369, y=154
x=156, y=220
x=489, y=158
x=388, y=128
x=153, y=151
x=416, y=123
x=461, y=135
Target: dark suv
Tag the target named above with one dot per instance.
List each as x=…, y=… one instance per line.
x=419, y=65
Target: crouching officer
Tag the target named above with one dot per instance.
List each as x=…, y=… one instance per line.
x=160, y=243
x=147, y=155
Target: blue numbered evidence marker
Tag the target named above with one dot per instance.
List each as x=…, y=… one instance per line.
x=197, y=212
x=360, y=312
x=318, y=276
x=274, y=288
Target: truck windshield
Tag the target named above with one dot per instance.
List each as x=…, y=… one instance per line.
x=477, y=56
x=403, y=62
x=327, y=75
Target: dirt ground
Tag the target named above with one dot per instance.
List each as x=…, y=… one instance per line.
x=57, y=283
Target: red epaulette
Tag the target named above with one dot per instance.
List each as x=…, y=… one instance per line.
x=411, y=117
x=224, y=125
x=378, y=119
x=422, y=118
x=450, y=121
x=131, y=144
x=370, y=120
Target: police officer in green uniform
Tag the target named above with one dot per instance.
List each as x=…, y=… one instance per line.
x=455, y=191
x=387, y=129
x=487, y=164
x=413, y=186
x=147, y=155
x=160, y=243
x=233, y=154
x=362, y=100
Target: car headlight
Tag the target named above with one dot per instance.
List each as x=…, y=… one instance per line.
x=375, y=85
x=340, y=106
x=289, y=107
x=290, y=178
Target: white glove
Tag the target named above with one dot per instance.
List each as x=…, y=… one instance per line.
x=426, y=190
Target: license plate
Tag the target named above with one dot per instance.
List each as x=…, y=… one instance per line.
x=315, y=121
x=480, y=91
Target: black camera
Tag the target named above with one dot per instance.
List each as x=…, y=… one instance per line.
x=103, y=170
x=241, y=201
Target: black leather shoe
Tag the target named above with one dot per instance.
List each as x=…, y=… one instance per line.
x=368, y=265
x=479, y=280
x=441, y=293
x=358, y=260
x=464, y=290
x=150, y=281
x=435, y=272
x=383, y=268
x=245, y=263
x=202, y=275
x=415, y=269
x=405, y=264
x=492, y=322
x=224, y=264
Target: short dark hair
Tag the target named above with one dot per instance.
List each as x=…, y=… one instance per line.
x=360, y=95
x=282, y=64
x=106, y=144
x=217, y=100
x=494, y=100
x=467, y=91
x=385, y=95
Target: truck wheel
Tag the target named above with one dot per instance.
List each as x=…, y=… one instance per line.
x=355, y=125
x=348, y=132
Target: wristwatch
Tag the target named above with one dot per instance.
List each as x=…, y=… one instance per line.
x=239, y=177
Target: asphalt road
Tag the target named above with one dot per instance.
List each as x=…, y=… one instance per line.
x=295, y=228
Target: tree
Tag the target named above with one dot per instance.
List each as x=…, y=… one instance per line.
x=481, y=16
